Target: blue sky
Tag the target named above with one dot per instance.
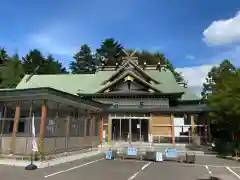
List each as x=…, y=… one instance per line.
x=193, y=34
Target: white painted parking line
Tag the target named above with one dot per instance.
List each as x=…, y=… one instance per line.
x=70, y=169
x=210, y=165
x=146, y=165
x=133, y=176
x=230, y=170
x=210, y=172
x=143, y=167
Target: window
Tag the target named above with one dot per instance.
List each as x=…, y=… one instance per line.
x=187, y=120
x=21, y=127
x=11, y=126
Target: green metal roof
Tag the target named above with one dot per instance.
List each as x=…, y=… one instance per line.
x=70, y=83
x=91, y=83
x=49, y=94
x=189, y=95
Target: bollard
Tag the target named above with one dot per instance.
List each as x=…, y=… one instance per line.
x=150, y=155
x=190, y=157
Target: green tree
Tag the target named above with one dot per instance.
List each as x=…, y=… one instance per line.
x=12, y=73
x=151, y=58
x=84, y=61
x=225, y=102
x=3, y=59
x=112, y=51
x=221, y=93
x=35, y=60
x=215, y=75
x=3, y=56
x=52, y=66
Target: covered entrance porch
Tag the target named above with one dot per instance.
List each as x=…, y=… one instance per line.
x=129, y=128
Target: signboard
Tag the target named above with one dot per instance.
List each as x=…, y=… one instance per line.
x=171, y=153
x=132, y=151
x=109, y=155
x=159, y=156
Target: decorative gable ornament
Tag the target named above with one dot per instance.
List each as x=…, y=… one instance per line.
x=129, y=78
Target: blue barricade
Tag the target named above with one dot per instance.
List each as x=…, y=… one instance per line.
x=132, y=151
x=171, y=153
x=109, y=155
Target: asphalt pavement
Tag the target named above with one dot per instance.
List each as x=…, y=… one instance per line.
x=97, y=168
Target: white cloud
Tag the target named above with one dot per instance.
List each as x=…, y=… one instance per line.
x=223, y=31
x=232, y=54
x=195, y=75
x=190, y=57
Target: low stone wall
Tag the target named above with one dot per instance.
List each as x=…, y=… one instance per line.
x=57, y=145
x=5, y=145
x=92, y=141
x=23, y=145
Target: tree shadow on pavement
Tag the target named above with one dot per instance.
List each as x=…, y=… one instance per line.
x=210, y=178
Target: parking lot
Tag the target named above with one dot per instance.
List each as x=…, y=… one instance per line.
x=97, y=168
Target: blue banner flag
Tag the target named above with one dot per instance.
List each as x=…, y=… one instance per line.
x=171, y=153
x=132, y=151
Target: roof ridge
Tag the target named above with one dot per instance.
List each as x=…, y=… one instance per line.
x=129, y=61
x=125, y=74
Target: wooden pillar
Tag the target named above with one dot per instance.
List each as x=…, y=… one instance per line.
x=15, y=126
x=67, y=129
x=172, y=129
x=192, y=124
x=101, y=130
x=42, y=126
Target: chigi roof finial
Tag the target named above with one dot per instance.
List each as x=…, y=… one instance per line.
x=130, y=56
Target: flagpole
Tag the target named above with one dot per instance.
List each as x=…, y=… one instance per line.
x=32, y=149
x=32, y=166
